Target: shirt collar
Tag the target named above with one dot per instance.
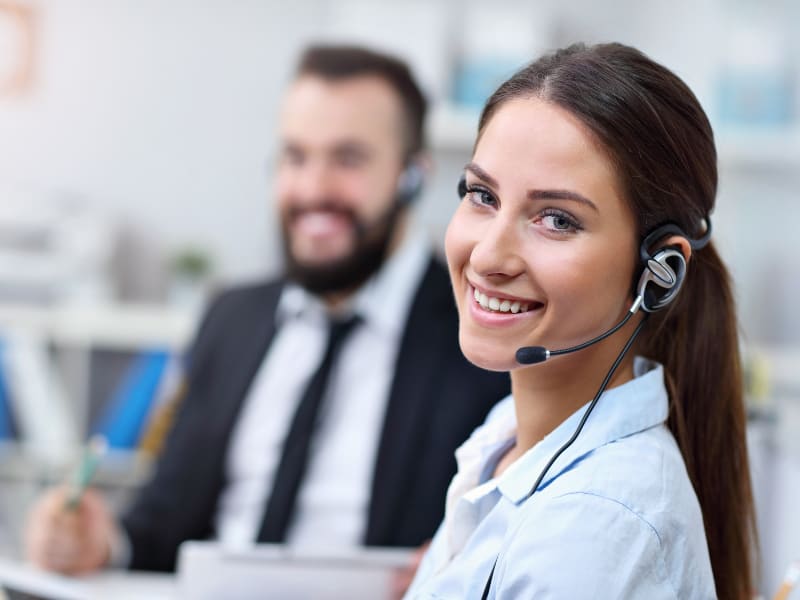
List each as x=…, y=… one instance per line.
x=382, y=302
x=635, y=406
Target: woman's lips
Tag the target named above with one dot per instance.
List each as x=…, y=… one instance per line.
x=498, y=310
x=497, y=301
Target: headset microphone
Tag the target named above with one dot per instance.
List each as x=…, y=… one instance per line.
x=530, y=355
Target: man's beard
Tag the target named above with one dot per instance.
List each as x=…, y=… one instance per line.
x=370, y=248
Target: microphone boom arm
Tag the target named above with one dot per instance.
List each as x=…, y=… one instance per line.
x=530, y=355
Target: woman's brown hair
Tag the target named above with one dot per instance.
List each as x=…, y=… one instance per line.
x=656, y=134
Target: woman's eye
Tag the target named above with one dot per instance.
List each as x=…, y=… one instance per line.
x=560, y=222
x=480, y=197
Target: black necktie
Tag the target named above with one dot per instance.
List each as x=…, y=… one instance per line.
x=294, y=458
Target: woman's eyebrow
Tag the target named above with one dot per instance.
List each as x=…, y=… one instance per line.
x=561, y=195
x=533, y=194
x=480, y=172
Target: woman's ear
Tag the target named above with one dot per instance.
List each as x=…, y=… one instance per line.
x=680, y=243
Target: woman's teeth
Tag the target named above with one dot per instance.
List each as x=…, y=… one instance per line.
x=499, y=305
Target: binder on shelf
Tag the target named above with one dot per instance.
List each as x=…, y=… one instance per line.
x=8, y=428
x=127, y=413
x=168, y=401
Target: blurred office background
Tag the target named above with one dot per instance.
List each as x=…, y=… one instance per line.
x=136, y=151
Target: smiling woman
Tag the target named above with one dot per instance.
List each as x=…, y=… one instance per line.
x=584, y=211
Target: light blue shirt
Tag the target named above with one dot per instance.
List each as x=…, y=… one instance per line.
x=615, y=517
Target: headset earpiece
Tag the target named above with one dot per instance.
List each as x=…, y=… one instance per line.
x=661, y=279
x=664, y=271
x=409, y=184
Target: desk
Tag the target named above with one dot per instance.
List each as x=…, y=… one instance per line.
x=116, y=584
x=130, y=585
x=208, y=571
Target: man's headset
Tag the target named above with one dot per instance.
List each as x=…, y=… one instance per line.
x=409, y=187
x=409, y=184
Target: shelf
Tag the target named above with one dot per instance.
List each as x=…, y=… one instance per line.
x=452, y=128
x=777, y=149
x=118, y=468
x=113, y=326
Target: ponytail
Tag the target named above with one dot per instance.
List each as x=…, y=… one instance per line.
x=697, y=343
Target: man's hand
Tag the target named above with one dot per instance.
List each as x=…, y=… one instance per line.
x=403, y=577
x=70, y=540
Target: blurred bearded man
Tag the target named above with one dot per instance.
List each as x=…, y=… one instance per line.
x=323, y=408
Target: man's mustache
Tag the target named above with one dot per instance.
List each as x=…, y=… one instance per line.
x=362, y=228
x=338, y=209
x=333, y=207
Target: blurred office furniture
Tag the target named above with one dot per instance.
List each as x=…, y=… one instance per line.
x=190, y=272
x=54, y=248
x=80, y=370
x=774, y=445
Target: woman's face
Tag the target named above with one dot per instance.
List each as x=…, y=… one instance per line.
x=542, y=248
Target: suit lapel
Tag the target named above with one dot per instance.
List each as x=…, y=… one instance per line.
x=412, y=394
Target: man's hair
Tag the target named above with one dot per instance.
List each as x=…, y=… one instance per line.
x=336, y=62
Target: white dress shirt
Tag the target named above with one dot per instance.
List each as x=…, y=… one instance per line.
x=615, y=517
x=334, y=497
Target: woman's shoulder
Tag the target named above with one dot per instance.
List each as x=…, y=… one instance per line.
x=619, y=552
x=643, y=474
x=628, y=502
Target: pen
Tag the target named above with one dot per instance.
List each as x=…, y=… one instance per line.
x=789, y=581
x=94, y=451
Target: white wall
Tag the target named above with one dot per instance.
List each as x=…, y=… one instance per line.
x=162, y=113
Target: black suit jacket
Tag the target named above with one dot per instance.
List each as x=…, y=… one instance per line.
x=437, y=398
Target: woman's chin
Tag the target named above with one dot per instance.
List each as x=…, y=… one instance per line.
x=488, y=357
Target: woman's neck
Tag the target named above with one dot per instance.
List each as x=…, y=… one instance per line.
x=546, y=395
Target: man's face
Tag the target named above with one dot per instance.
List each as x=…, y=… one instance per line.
x=342, y=151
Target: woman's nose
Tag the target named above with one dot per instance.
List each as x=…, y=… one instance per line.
x=497, y=252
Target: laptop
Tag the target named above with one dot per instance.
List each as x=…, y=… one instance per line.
x=207, y=570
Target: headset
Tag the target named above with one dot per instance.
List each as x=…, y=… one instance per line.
x=666, y=269
x=409, y=187
x=409, y=184
x=663, y=272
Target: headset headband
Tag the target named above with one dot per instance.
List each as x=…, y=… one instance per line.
x=673, y=229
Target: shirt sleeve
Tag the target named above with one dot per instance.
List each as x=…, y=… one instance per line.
x=119, y=556
x=589, y=546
